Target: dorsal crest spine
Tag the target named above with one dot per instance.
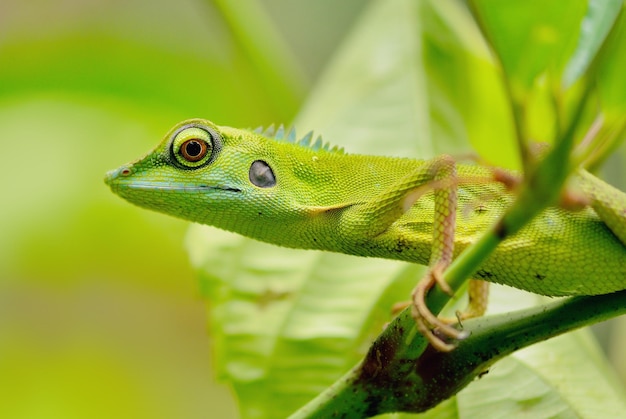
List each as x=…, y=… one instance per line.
x=290, y=136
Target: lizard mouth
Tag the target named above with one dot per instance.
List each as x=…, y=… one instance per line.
x=170, y=187
x=117, y=179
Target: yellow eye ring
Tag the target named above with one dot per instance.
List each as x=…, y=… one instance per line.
x=194, y=146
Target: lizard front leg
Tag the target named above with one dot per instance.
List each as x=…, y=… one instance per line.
x=441, y=257
x=362, y=223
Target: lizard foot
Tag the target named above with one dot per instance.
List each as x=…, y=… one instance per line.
x=478, y=297
x=437, y=331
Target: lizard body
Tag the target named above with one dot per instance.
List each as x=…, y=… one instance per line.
x=293, y=194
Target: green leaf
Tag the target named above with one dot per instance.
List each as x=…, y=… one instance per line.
x=610, y=74
x=531, y=37
x=464, y=85
x=539, y=386
x=287, y=323
x=597, y=23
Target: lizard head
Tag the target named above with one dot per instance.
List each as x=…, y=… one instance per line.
x=261, y=184
x=203, y=173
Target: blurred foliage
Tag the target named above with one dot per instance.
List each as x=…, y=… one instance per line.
x=99, y=311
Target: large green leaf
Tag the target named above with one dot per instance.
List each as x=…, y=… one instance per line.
x=610, y=75
x=595, y=27
x=287, y=323
x=531, y=37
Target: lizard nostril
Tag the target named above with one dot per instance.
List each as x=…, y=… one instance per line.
x=112, y=175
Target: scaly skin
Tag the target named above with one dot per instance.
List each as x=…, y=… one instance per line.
x=363, y=205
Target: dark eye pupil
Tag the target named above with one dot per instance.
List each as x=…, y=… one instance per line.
x=194, y=150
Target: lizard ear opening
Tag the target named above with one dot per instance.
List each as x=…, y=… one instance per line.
x=261, y=174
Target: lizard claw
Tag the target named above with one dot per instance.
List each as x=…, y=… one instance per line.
x=426, y=321
x=437, y=275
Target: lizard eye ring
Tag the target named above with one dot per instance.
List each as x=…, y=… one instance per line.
x=194, y=146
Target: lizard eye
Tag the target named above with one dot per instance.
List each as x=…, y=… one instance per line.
x=194, y=150
x=193, y=146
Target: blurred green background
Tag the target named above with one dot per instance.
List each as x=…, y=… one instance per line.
x=100, y=313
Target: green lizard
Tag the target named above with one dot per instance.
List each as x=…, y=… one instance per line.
x=294, y=193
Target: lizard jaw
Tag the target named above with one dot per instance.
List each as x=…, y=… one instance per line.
x=120, y=178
